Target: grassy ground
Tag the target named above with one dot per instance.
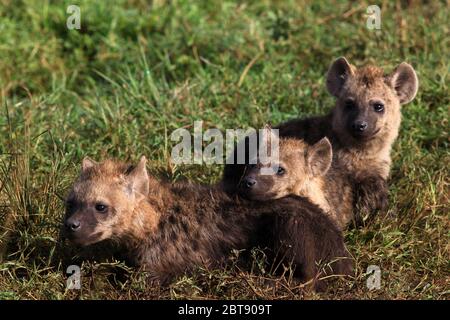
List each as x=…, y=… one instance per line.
x=135, y=72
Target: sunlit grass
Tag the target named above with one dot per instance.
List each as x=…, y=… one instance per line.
x=135, y=72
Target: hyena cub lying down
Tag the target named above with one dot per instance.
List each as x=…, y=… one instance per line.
x=170, y=229
x=303, y=170
x=361, y=127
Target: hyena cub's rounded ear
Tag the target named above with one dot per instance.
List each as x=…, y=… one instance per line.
x=337, y=74
x=138, y=178
x=404, y=81
x=88, y=163
x=319, y=157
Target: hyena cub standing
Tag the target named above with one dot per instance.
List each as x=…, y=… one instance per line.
x=361, y=127
x=303, y=170
x=170, y=229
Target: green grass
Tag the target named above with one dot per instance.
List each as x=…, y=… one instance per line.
x=135, y=72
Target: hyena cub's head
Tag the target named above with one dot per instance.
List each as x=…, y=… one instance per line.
x=102, y=199
x=298, y=165
x=368, y=101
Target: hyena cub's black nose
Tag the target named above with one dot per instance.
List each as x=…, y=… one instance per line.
x=359, y=126
x=72, y=225
x=249, y=182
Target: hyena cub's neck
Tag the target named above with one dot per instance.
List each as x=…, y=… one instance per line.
x=314, y=190
x=332, y=193
x=360, y=161
x=142, y=225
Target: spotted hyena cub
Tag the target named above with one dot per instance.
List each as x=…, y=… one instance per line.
x=304, y=170
x=169, y=229
x=361, y=127
x=366, y=122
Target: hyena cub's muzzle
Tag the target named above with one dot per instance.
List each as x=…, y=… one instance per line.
x=359, y=126
x=72, y=225
x=74, y=229
x=363, y=126
x=256, y=187
x=247, y=186
x=81, y=228
x=249, y=182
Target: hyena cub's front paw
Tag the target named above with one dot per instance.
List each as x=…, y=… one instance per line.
x=371, y=198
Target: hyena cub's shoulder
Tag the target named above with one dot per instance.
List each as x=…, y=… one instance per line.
x=304, y=170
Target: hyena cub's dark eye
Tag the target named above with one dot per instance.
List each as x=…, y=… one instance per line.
x=101, y=207
x=280, y=171
x=378, y=107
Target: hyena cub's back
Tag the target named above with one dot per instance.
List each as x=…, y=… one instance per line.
x=304, y=170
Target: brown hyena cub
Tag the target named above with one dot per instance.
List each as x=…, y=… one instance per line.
x=361, y=128
x=170, y=229
x=303, y=170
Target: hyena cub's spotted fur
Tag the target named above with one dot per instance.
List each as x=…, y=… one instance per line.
x=366, y=122
x=361, y=127
x=304, y=170
x=170, y=229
